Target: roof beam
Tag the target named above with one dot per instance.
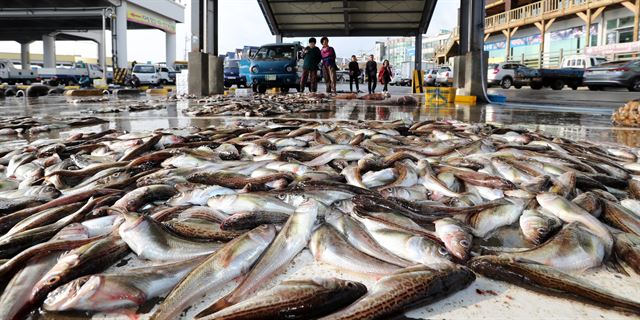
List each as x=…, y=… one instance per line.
x=345, y=6
x=427, y=13
x=268, y=13
x=335, y=12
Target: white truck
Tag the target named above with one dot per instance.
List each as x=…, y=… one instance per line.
x=69, y=76
x=11, y=75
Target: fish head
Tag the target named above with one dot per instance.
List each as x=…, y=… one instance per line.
x=55, y=276
x=457, y=238
x=131, y=219
x=534, y=227
x=92, y=292
x=342, y=289
x=48, y=192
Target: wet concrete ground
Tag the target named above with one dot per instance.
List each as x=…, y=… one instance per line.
x=574, y=122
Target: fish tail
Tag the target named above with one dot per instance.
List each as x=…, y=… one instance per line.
x=215, y=307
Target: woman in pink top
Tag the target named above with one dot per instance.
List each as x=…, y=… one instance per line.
x=328, y=65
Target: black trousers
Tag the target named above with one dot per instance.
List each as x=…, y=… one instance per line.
x=371, y=83
x=353, y=79
x=386, y=83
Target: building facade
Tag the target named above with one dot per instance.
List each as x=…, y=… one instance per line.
x=540, y=33
x=401, y=51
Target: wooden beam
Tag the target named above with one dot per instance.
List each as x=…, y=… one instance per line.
x=588, y=29
x=583, y=16
x=540, y=26
x=631, y=6
x=551, y=21
x=506, y=33
x=486, y=36
x=514, y=31
x=596, y=14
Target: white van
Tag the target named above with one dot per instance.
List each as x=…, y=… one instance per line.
x=581, y=61
x=146, y=73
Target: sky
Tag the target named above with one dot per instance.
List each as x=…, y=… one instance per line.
x=241, y=23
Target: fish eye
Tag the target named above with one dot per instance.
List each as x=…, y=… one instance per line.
x=53, y=280
x=464, y=243
x=443, y=251
x=542, y=230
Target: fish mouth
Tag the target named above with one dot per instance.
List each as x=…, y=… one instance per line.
x=66, y=296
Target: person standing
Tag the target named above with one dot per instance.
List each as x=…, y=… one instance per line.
x=328, y=65
x=385, y=75
x=371, y=71
x=312, y=57
x=354, y=74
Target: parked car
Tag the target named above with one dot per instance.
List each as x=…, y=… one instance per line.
x=167, y=75
x=275, y=66
x=445, y=76
x=624, y=74
x=581, y=61
x=11, y=75
x=342, y=75
x=430, y=77
x=503, y=74
x=232, y=74
x=401, y=82
x=146, y=74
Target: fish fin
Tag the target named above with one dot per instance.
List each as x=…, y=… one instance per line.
x=616, y=266
x=215, y=307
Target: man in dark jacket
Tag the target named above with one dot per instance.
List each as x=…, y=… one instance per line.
x=371, y=71
x=312, y=57
x=354, y=74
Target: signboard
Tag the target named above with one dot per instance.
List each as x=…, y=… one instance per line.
x=142, y=16
x=614, y=48
x=411, y=52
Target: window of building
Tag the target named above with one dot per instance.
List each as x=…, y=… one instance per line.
x=620, y=30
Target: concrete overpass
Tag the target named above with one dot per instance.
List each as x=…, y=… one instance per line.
x=26, y=21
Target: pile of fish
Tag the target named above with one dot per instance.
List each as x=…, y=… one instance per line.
x=421, y=208
x=130, y=107
x=31, y=125
x=259, y=106
x=627, y=115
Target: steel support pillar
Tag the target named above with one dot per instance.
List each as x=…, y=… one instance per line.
x=197, y=25
x=470, y=68
x=278, y=38
x=170, y=57
x=211, y=34
x=25, y=55
x=49, y=50
x=121, y=35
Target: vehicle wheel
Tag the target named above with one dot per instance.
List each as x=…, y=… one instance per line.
x=284, y=89
x=594, y=88
x=557, y=85
x=298, y=89
x=164, y=82
x=635, y=85
x=254, y=88
x=574, y=87
x=536, y=86
x=262, y=88
x=506, y=83
x=517, y=86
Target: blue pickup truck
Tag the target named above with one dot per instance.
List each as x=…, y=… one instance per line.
x=275, y=66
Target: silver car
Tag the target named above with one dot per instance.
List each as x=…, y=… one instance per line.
x=624, y=74
x=430, y=77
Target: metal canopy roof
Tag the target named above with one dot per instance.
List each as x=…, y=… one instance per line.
x=302, y=18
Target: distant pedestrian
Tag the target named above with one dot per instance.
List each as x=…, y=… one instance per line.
x=385, y=75
x=328, y=65
x=354, y=74
x=371, y=71
x=312, y=57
